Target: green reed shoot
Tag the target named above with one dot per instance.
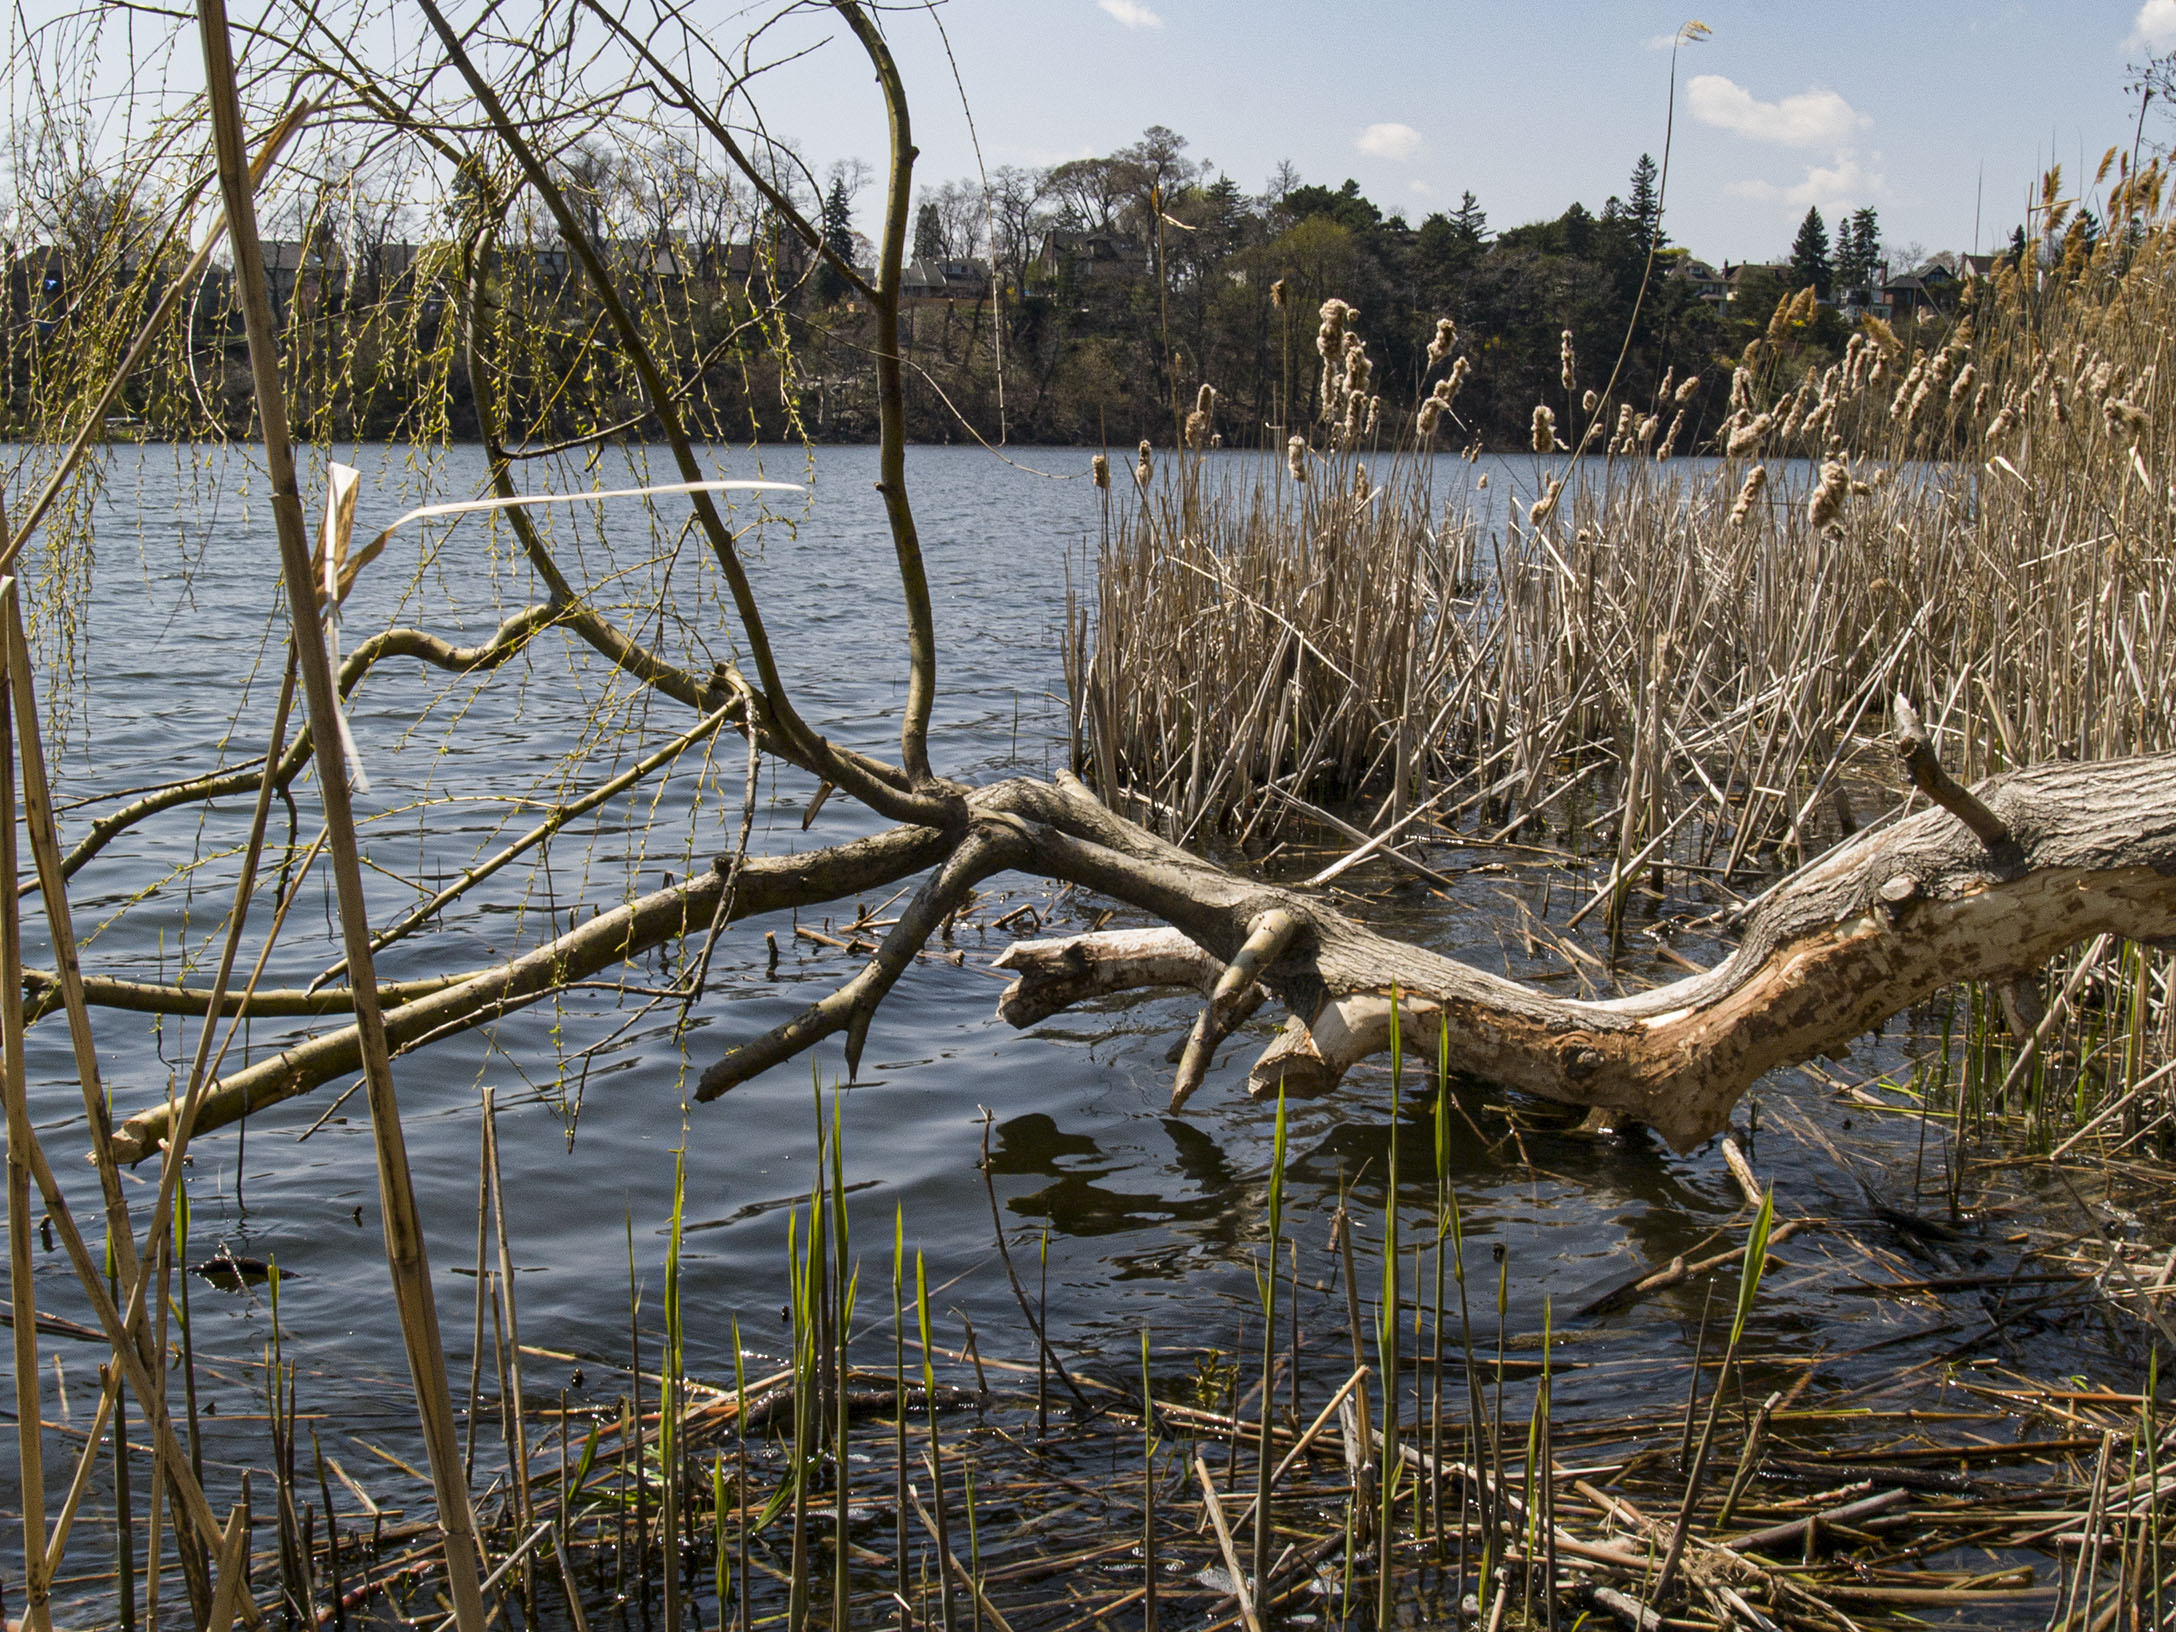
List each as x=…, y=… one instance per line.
x=1264, y=1530
x=1386, y=1339
x=1148, y=1494
x=902, y=1585
x=936, y=1449
x=668, y=1405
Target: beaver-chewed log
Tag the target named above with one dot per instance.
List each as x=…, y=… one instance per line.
x=1892, y=916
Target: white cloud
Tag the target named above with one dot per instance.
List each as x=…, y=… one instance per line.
x=1400, y=142
x=1422, y=188
x=2155, y=27
x=1131, y=13
x=1809, y=119
x=1829, y=187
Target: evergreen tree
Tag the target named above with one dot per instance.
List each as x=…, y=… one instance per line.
x=838, y=230
x=928, y=234
x=1469, y=222
x=1866, y=226
x=1645, y=207
x=1809, y=255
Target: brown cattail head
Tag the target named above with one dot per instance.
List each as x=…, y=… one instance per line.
x=2126, y=420
x=1669, y=442
x=1545, y=506
x=1756, y=480
x=1544, y=429
x=1460, y=368
x=1330, y=338
x=1100, y=468
x=1197, y=430
x=1648, y=427
x=1295, y=458
x=1826, y=506
x=1446, y=337
x=1570, y=361
x=1685, y=391
x=1145, y=470
x=1588, y=402
x=1662, y=391
x=1277, y=294
x=1748, y=437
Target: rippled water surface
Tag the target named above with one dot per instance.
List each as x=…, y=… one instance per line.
x=1152, y=1219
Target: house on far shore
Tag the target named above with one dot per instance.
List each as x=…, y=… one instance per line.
x=944, y=279
x=1705, y=282
x=1931, y=289
x=1094, y=257
x=1736, y=278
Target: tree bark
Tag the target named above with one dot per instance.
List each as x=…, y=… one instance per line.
x=1883, y=922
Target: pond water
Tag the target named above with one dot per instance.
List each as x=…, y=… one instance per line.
x=1152, y=1220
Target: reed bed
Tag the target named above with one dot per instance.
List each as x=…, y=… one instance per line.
x=1656, y=666
x=1395, y=1449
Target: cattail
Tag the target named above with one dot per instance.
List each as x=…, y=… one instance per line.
x=1143, y=471
x=1749, y=495
x=1805, y=308
x=1375, y=410
x=1216, y=439
x=1587, y=403
x=1446, y=337
x=1669, y=442
x=1330, y=339
x=1460, y=368
x=2003, y=424
x=1100, y=468
x=1827, y=504
x=1779, y=320
x=2058, y=401
x=1967, y=377
x=1544, y=429
x=1648, y=426
x=1358, y=370
x=1276, y=294
x=1545, y=506
x=1481, y=482
x=1882, y=336
x=2126, y=420
x=1197, y=422
x=1662, y=391
x=1685, y=391
x=1439, y=400
x=1741, y=388
x=1748, y=437
x=1624, y=420
x=1569, y=359
x=1295, y=458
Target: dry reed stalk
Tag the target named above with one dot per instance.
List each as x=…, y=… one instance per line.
x=406, y=1254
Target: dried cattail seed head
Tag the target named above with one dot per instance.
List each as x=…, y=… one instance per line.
x=1446, y=337
x=1685, y=391
x=1544, y=439
x=1569, y=359
x=1826, y=506
x=1277, y=294
x=1100, y=468
x=1749, y=495
x=1145, y=470
x=1295, y=458
x=1588, y=403
x=1545, y=506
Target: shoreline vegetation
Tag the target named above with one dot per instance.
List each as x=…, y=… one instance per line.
x=1761, y=768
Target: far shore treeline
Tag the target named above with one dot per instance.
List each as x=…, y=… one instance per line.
x=1083, y=303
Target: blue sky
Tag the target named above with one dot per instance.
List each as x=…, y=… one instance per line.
x=1932, y=113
